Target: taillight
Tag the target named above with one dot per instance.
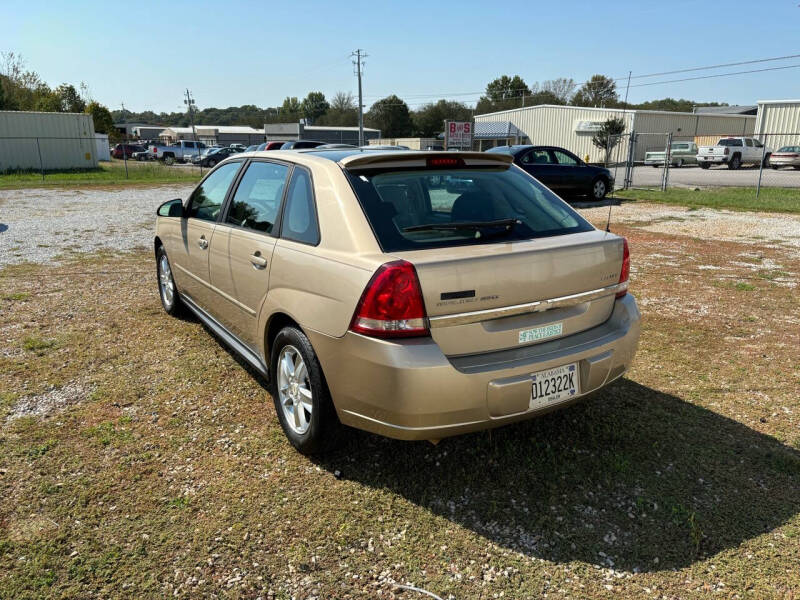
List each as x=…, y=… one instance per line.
x=155, y=150
x=391, y=305
x=625, y=271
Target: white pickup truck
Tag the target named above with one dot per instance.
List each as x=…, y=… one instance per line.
x=734, y=152
x=181, y=151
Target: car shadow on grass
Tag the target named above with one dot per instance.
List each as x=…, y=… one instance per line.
x=633, y=478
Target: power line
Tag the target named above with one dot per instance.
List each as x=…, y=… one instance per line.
x=733, y=64
x=718, y=75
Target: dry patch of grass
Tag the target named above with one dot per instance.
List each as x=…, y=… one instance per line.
x=166, y=473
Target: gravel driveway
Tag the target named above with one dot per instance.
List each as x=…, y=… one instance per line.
x=38, y=225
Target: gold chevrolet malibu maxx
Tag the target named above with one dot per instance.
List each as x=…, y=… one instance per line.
x=413, y=294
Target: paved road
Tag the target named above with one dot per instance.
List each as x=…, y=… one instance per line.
x=693, y=176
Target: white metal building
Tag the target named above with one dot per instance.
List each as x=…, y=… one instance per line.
x=46, y=140
x=214, y=134
x=573, y=127
x=778, y=122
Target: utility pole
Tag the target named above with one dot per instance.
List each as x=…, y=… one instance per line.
x=360, y=55
x=125, y=144
x=189, y=102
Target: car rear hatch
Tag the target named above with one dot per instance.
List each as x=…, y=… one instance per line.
x=487, y=298
x=504, y=293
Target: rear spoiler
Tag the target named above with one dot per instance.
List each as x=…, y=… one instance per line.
x=413, y=159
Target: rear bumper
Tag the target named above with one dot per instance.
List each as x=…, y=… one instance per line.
x=410, y=390
x=714, y=160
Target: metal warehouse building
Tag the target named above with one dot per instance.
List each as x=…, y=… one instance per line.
x=573, y=127
x=778, y=122
x=320, y=133
x=45, y=140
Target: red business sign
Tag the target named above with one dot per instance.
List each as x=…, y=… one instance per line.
x=458, y=134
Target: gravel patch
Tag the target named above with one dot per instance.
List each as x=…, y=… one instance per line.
x=38, y=225
x=44, y=405
x=745, y=227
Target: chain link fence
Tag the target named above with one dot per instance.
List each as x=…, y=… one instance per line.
x=660, y=161
x=48, y=155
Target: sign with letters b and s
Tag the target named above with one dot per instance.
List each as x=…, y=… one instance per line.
x=458, y=134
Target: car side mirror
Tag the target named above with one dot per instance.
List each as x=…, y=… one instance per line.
x=171, y=208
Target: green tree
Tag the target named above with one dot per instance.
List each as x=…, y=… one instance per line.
x=69, y=99
x=429, y=119
x=314, y=106
x=391, y=116
x=608, y=135
x=103, y=122
x=562, y=87
x=503, y=93
x=6, y=102
x=543, y=97
x=598, y=91
x=290, y=110
x=47, y=101
x=342, y=112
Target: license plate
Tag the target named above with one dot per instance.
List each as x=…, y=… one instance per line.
x=555, y=385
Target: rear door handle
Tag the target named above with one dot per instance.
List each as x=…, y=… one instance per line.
x=259, y=262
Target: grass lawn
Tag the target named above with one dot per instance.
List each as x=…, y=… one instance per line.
x=140, y=459
x=731, y=198
x=112, y=174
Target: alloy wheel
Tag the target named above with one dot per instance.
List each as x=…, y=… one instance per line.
x=294, y=389
x=165, y=281
x=599, y=189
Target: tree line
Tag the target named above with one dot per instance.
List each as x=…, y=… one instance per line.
x=23, y=89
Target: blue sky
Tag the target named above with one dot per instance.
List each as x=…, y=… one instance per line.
x=260, y=52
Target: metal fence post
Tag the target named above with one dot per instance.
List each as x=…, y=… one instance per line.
x=761, y=165
x=629, y=161
x=667, y=160
x=41, y=164
x=125, y=154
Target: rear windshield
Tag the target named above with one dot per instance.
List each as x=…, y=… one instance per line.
x=790, y=149
x=417, y=209
x=729, y=142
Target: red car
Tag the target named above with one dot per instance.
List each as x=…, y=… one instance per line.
x=126, y=150
x=270, y=145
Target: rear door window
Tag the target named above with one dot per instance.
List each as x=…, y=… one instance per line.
x=411, y=210
x=565, y=159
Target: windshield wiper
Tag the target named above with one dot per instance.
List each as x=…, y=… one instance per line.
x=508, y=224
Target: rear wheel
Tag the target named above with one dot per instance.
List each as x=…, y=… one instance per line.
x=679, y=163
x=211, y=163
x=704, y=165
x=735, y=162
x=599, y=188
x=776, y=167
x=169, y=159
x=765, y=162
x=300, y=393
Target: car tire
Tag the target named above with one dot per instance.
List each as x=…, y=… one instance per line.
x=211, y=163
x=167, y=290
x=765, y=162
x=735, y=162
x=776, y=167
x=599, y=188
x=300, y=393
x=169, y=160
x=705, y=165
x=679, y=163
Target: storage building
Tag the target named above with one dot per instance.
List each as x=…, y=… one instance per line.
x=214, y=134
x=573, y=127
x=290, y=132
x=46, y=141
x=778, y=123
